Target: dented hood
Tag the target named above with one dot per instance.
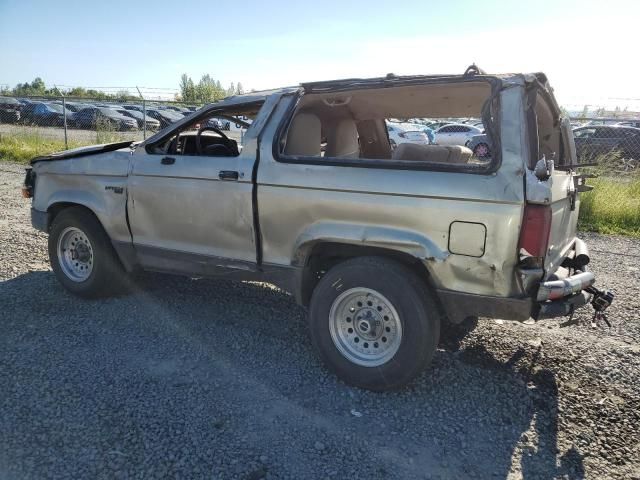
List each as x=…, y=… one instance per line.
x=82, y=151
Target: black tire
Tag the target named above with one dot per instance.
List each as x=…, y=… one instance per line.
x=107, y=274
x=417, y=311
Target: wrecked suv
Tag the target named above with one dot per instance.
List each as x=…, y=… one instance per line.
x=381, y=244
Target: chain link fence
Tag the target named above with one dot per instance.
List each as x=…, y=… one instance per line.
x=611, y=142
x=32, y=126
x=75, y=121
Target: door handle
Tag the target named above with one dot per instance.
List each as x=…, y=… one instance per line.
x=168, y=161
x=228, y=175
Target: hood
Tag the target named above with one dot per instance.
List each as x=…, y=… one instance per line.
x=82, y=151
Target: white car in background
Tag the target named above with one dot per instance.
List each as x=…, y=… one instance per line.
x=406, y=133
x=456, y=134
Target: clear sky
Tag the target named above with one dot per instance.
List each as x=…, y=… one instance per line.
x=587, y=48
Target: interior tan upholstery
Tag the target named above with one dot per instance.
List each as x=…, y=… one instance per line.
x=432, y=153
x=304, y=135
x=342, y=139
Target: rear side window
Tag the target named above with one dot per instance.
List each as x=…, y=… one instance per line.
x=352, y=128
x=546, y=139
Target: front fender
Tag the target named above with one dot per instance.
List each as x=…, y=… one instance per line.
x=105, y=196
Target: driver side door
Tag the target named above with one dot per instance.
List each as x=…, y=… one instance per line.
x=191, y=213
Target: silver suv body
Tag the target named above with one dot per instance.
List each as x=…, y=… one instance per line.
x=380, y=244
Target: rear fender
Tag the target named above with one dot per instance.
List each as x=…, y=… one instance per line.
x=404, y=241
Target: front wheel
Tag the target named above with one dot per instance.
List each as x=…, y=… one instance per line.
x=374, y=323
x=82, y=256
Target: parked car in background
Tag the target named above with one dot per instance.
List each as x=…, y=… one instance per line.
x=430, y=132
x=183, y=110
x=95, y=117
x=138, y=108
x=419, y=125
x=74, y=106
x=479, y=145
x=43, y=114
x=9, y=110
x=436, y=125
x=601, y=121
x=456, y=134
x=219, y=123
x=152, y=123
x=406, y=133
x=592, y=141
x=165, y=117
x=629, y=123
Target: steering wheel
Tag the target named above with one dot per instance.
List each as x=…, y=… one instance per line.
x=226, y=139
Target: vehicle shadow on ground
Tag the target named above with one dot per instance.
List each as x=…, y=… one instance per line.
x=543, y=461
x=466, y=416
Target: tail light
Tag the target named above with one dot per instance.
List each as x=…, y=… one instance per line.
x=29, y=183
x=534, y=234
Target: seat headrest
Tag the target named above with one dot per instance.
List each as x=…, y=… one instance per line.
x=304, y=135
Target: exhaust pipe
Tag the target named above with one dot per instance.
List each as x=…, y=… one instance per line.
x=581, y=257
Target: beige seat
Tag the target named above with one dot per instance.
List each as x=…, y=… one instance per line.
x=432, y=153
x=342, y=139
x=304, y=136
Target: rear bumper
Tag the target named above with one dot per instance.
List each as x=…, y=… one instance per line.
x=559, y=295
x=563, y=307
x=460, y=305
x=39, y=220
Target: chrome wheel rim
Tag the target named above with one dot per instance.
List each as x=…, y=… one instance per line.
x=75, y=254
x=365, y=327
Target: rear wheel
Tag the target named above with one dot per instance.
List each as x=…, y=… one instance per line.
x=374, y=323
x=82, y=256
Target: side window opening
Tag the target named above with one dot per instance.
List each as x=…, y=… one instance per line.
x=430, y=124
x=218, y=134
x=548, y=139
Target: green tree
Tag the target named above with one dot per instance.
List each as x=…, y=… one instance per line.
x=77, y=92
x=38, y=86
x=585, y=111
x=187, y=88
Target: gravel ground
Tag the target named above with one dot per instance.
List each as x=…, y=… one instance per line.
x=202, y=378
